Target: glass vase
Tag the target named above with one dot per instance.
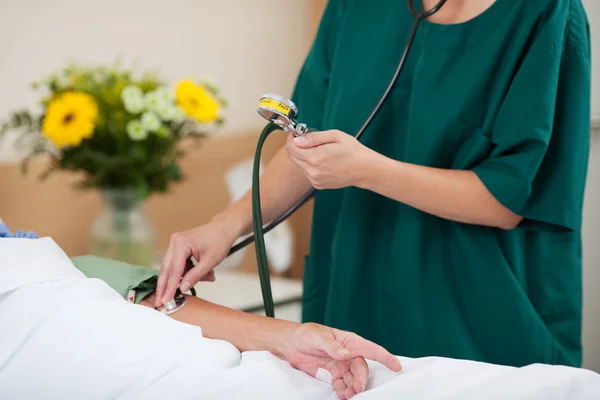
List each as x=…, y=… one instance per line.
x=122, y=231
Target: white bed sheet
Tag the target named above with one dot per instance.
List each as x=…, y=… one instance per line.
x=63, y=336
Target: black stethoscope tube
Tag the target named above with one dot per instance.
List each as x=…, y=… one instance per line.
x=411, y=37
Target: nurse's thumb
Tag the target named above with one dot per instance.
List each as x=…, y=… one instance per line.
x=334, y=348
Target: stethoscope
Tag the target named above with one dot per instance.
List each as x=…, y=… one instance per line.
x=282, y=112
x=278, y=115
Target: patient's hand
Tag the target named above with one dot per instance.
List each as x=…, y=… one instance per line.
x=313, y=346
x=306, y=347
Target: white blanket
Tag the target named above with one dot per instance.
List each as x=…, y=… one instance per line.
x=63, y=336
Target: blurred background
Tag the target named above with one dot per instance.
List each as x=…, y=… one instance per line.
x=231, y=42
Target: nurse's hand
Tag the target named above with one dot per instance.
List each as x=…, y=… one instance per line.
x=311, y=347
x=330, y=159
x=209, y=244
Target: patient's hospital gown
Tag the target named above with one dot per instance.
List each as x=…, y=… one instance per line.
x=506, y=95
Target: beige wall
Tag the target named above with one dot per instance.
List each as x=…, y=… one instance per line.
x=53, y=208
x=197, y=37
x=235, y=42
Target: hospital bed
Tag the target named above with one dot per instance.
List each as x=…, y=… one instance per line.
x=65, y=336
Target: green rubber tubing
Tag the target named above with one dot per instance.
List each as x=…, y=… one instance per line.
x=257, y=224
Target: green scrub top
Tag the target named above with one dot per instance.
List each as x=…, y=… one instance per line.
x=506, y=95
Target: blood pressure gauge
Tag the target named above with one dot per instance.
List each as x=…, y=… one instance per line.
x=281, y=111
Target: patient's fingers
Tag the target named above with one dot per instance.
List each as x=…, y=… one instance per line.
x=360, y=347
x=340, y=388
x=360, y=371
x=349, y=393
x=327, y=342
x=348, y=379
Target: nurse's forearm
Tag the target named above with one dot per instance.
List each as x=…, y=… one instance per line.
x=281, y=185
x=455, y=195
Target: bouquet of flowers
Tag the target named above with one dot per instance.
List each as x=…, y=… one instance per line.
x=120, y=131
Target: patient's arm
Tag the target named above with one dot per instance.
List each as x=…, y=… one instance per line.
x=307, y=347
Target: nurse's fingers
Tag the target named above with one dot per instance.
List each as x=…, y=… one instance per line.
x=202, y=270
x=315, y=139
x=308, y=169
x=210, y=277
x=360, y=372
x=163, y=275
x=182, y=251
x=293, y=150
x=304, y=154
x=360, y=347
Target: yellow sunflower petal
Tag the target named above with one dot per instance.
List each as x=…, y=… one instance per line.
x=70, y=118
x=197, y=102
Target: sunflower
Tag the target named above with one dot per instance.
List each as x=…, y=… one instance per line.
x=70, y=118
x=197, y=102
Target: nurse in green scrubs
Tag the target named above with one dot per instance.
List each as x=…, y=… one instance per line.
x=454, y=227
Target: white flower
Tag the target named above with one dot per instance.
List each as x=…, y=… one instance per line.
x=134, y=105
x=179, y=114
x=131, y=91
x=151, y=101
x=133, y=99
x=165, y=95
x=171, y=113
x=136, y=130
x=166, y=113
x=150, y=121
x=155, y=100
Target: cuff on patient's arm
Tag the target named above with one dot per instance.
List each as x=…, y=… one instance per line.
x=133, y=282
x=120, y=276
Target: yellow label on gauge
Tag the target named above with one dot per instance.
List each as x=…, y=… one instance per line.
x=275, y=105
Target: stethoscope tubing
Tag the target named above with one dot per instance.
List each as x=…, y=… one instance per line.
x=419, y=16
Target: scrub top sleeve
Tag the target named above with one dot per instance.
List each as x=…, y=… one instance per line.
x=538, y=164
x=310, y=91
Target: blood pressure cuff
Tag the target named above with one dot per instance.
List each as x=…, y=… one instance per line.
x=133, y=282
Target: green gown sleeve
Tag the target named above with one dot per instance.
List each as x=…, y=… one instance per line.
x=538, y=164
x=310, y=91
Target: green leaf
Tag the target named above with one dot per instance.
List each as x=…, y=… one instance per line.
x=142, y=191
x=174, y=172
x=138, y=152
x=44, y=175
